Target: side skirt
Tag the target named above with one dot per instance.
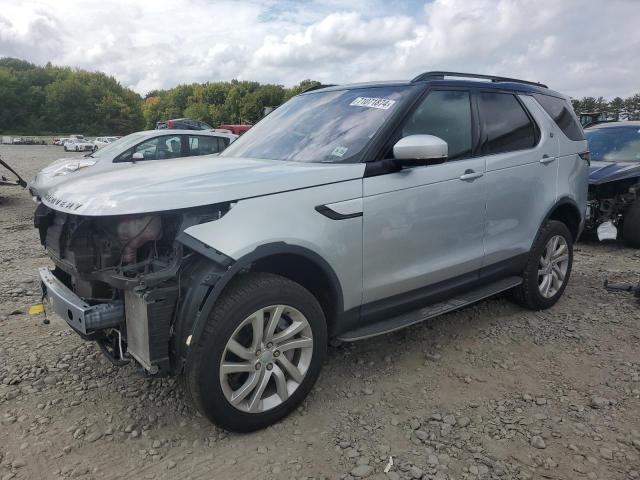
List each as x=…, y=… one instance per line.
x=421, y=314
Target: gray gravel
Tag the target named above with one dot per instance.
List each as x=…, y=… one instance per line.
x=489, y=392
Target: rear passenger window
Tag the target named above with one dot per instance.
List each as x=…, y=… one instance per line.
x=507, y=127
x=205, y=145
x=445, y=114
x=562, y=113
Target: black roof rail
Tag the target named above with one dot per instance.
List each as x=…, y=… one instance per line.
x=316, y=87
x=440, y=76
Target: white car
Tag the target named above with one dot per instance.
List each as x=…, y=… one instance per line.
x=100, y=142
x=121, y=153
x=78, y=145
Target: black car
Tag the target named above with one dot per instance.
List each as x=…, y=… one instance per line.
x=614, y=180
x=183, y=124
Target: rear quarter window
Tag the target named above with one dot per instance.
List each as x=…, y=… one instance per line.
x=562, y=113
x=507, y=127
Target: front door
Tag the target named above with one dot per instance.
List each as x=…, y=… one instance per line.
x=425, y=225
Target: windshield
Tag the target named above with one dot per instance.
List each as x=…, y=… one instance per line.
x=118, y=146
x=332, y=126
x=614, y=144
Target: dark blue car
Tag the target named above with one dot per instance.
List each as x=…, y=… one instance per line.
x=614, y=181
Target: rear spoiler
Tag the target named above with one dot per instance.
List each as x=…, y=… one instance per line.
x=4, y=181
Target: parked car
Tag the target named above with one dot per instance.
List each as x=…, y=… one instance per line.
x=614, y=181
x=100, y=142
x=121, y=153
x=78, y=145
x=348, y=212
x=237, y=129
x=183, y=124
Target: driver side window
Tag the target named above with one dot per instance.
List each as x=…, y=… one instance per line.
x=158, y=148
x=445, y=114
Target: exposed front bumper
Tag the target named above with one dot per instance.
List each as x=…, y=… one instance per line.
x=82, y=317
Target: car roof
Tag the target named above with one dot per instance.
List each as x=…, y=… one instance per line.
x=178, y=131
x=514, y=86
x=630, y=124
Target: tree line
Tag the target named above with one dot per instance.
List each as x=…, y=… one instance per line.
x=51, y=100
x=234, y=102
x=56, y=100
x=615, y=108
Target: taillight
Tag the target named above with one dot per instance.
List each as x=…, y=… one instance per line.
x=586, y=156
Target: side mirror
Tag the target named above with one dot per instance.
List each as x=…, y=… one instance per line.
x=137, y=156
x=416, y=150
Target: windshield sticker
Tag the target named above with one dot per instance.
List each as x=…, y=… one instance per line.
x=339, y=151
x=369, y=102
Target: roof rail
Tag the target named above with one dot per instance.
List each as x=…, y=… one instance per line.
x=316, y=87
x=440, y=76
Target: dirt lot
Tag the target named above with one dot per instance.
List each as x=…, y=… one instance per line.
x=491, y=391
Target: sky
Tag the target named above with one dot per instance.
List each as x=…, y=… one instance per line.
x=578, y=47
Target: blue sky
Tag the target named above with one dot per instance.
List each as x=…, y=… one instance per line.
x=579, y=47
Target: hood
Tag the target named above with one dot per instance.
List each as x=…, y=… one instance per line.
x=605, y=172
x=162, y=185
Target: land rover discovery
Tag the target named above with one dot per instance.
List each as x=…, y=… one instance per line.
x=348, y=212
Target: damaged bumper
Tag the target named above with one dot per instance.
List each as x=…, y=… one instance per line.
x=143, y=321
x=83, y=318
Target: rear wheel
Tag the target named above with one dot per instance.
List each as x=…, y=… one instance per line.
x=631, y=225
x=548, y=267
x=260, y=353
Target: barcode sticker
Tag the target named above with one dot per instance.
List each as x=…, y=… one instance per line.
x=369, y=102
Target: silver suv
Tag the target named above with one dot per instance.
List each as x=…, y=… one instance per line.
x=350, y=211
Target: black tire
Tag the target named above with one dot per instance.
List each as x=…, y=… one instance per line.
x=631, y=225
x=243, y=296
x=528, y=293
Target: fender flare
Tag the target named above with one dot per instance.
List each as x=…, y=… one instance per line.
x=561, y=202
x=219, y=274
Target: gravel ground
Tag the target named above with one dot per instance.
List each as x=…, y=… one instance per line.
x=491, y=391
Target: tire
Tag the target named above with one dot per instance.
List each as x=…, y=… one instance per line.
x=533, y=292
x=212, y=391
x=631, y=225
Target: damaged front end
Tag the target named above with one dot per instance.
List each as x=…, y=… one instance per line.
x=117, y=279
x=607, y=203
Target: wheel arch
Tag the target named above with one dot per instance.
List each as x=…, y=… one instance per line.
x=211, y=278
x=566, y=211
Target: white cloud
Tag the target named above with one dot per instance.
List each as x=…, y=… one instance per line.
x=580, y=47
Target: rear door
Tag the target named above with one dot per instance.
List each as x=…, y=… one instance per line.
x=522, y=169
x=425, y=225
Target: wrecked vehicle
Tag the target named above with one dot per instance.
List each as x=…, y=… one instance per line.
x=613, y=209
x=17, y=182
x=348, y=212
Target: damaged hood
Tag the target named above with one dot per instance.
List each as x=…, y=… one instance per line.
x=162, y=185
x=605, y=172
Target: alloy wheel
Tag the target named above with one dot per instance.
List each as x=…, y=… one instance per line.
x=553, y=266
x=266, y=358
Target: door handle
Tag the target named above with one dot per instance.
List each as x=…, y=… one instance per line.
x=470, y=175
x=547, y=159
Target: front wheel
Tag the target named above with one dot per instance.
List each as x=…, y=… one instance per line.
x=260, y=352
x=548, y=267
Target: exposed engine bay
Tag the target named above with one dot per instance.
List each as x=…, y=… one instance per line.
x=607, y=204
x=126, y=271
